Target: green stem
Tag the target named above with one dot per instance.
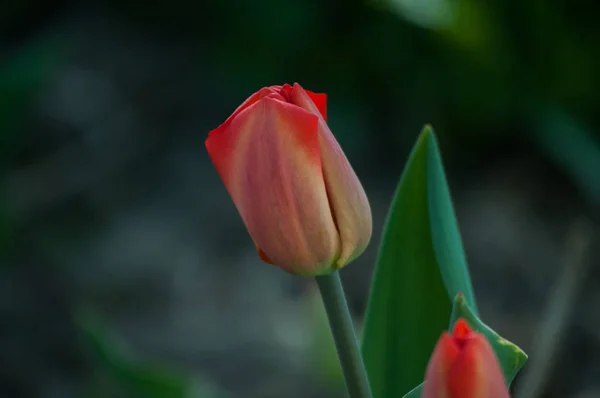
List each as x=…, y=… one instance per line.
x=344, y=335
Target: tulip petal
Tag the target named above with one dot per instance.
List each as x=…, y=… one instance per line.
x=263, y=256
x=320, y=101
x=272, y=92
x=445, y=353
x=476, y=372
x=461, y=332
x=347, y=198
x=269, y=159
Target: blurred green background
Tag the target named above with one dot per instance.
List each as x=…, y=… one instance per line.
x=126, y=271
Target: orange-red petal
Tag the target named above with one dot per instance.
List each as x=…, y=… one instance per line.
x=269, y=159
x=347, y=198
x=476, y=372
x=272, y=92
x=445, y=353
x=320, y=101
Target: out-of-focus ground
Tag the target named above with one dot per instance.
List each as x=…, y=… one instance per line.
x=111, y=209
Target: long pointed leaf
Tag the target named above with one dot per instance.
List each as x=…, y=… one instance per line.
x=420, y=268
x=446, y=239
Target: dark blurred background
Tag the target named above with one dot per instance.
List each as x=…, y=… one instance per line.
x=126, y=271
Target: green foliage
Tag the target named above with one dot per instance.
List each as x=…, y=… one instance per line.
x=420, y=268
x=124, y=376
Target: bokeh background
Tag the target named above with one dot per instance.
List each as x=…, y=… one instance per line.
x=126, y=271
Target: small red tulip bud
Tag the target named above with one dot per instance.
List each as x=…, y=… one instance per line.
x=464, y=365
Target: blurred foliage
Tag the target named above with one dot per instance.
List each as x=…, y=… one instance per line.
x=23, y=73
x=476, y=69
x=21, y=76
x=119, y=374
x=573, y=147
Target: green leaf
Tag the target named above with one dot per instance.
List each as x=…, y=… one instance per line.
x=447, y=242
x=510, y=356
x=118, y=368
x=415, y=392
x=420, y=268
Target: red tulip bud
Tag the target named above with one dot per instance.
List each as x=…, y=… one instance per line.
x=298, y=196
x=464, y=365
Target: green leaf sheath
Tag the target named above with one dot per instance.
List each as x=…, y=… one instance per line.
x=510, y=356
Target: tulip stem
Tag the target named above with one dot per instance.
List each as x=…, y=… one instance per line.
x=340, y=321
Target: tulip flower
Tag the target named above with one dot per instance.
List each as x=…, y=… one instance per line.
x=464, y=365
x=296, y=192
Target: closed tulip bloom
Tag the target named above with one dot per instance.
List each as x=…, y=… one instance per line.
x=296, y=192
x=464, y=365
